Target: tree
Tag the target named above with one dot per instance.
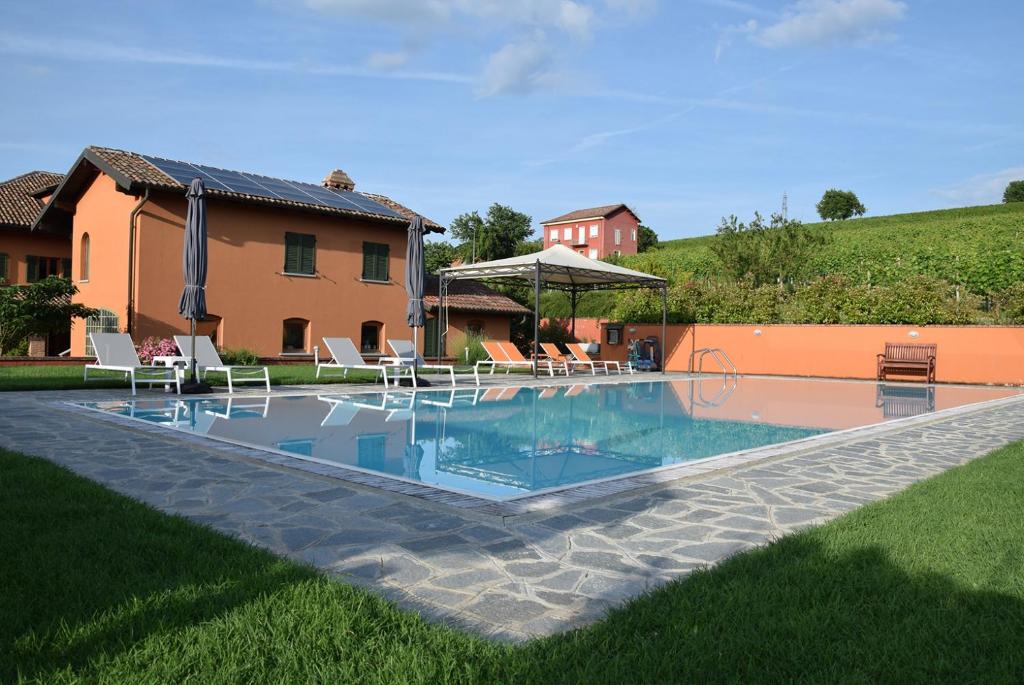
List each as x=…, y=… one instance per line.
x=438, y=255
x=1014, y=192
x=496, y=236
x=772, y=252
x=646, y=239
x=839, y=205
x=37, y=309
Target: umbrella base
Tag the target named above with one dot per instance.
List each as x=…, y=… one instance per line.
x=420, y=382
x=196, y=388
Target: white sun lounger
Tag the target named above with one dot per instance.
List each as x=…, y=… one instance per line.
x=207, y=359
x=406, y=354
x=116, y=352
x=345, y=356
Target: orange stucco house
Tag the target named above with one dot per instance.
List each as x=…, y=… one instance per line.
x=26, y=256
x=285, y=268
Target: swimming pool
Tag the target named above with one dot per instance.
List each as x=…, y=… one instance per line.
x=503, y=443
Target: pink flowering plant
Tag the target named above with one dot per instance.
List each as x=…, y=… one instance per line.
x=156, y=347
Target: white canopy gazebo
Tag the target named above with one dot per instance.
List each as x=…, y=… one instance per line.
x=557, y=268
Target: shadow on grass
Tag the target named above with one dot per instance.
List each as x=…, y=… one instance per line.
x=99, y=585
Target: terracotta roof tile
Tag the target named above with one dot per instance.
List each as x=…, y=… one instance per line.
x=589, y=213
x=471, y=296
x=401, y=209
x=18, y=207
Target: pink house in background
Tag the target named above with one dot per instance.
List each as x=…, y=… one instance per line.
x=595, y=232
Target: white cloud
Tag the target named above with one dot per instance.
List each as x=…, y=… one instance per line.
x=981, y=189
x=632, y=7
x=570, y=16
x=739, y=6
x=823, y=22
x=519, y=67
x=387, y=60
x=102, y=51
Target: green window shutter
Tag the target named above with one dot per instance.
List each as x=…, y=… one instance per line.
x=307, y=261
x=33, y=268
x=291, y=253
x=3, y=268
x=65, y=267
x=299, y=253
x=375, y=261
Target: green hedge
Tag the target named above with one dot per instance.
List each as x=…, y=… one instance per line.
x=832, y=299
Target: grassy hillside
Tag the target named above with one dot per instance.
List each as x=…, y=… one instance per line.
x=980, y=248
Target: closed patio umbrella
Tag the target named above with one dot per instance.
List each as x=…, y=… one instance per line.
x=414, y=267
x=192, y=305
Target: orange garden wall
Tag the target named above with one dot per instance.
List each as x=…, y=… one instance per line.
x=966, y=354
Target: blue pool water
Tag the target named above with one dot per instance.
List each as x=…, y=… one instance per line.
x=503, y=443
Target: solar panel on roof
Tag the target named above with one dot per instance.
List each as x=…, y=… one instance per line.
x=265, y=186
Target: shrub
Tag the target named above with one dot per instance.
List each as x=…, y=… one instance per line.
x=239, y=357
x=1010, y=304
x=467, y=349
x=555, y=331
x=156, y=347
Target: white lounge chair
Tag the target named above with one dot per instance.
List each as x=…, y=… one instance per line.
x=207, y=359
x=406, y=355
x=116, y=352
x=345, y=356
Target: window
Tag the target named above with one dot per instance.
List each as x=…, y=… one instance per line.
x=567, y=234
x=43, y=267
x=83, y=267
x=105, y=321
x=618, y=236
x=554, y=235
x=475, y=327
x=593, y=253
x=593, y=230
x=581, y=233
x=375, y=261
x=302, y=447
x=300, y=254
x=4, y=261
x=614, y=335
x=634, y=235
x=294, y=336
x=369, y=337
x=371, y=452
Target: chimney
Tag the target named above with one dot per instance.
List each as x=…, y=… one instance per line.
x=339, y=180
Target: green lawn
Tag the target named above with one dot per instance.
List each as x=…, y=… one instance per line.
x=927, y=586
x=70, y=377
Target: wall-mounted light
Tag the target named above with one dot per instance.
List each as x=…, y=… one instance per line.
x=757, y=331
x=913, y=334
x=756, y=416
x=632, y=329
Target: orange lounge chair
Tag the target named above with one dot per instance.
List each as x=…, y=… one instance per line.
x=577, y=351
x=516, y=356
x=566, y=360
x=497, y=356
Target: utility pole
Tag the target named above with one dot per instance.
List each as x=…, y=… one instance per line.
x=785, y=207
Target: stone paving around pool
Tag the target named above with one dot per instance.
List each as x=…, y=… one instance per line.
x=511, y=577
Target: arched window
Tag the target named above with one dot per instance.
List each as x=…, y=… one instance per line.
x=83, y=265
x=295, y=336
x=369, y=337
x=105, y=321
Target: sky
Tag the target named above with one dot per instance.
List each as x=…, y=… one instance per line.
x=686, y=110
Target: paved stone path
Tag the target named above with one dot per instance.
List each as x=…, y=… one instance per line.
x=509, y=578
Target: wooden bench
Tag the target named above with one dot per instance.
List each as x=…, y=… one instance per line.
x=907, y=359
